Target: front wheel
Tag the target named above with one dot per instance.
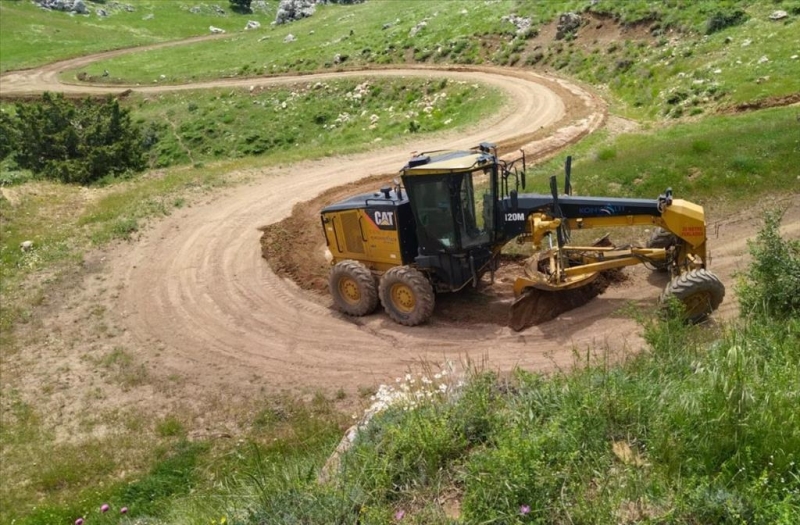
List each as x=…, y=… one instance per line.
x=407, y=295
x=700, y=291
x=662, y=238
x=353, y=288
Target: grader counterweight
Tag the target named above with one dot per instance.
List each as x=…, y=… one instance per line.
x=445, y=226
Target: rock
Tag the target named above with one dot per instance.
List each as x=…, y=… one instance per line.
x=217, y=9
x=289, y=38
x=417, y=28
x=763, y=60
x=195, y=10
x=149, y=17
x=101, y=12
x=522, y=24
x=291, y=10
x=26, y=246
x=568, y=23
x=252, y=24
x=216, y=30
x=778, y=15
x=794, y=57
x=73, y=6
x=747, y=43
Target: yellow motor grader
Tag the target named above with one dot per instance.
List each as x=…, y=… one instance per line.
x=444, y=227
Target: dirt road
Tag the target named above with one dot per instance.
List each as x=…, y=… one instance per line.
x=195, y=298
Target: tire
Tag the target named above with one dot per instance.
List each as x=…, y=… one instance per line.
x=407, y=295
x=353, y=288
x=661, y=238
x=700, y=291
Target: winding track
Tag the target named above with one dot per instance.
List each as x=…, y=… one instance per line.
x=198, y=299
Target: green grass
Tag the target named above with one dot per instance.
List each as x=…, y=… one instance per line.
x=305, y=120
x=158, y=474
x=650, y=76
x=32, y=37
x=706, y=161
x=319, y=39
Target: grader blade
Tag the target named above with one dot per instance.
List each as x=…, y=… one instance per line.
x=546, y=290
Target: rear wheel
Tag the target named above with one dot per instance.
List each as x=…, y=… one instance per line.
x=353, y=288
x=700, y=291
x=407, y=295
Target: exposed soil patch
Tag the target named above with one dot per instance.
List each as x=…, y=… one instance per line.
x=768, y=102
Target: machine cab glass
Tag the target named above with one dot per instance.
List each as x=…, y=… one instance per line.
x=453, y=211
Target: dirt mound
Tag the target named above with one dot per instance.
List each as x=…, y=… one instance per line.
x=295, y=246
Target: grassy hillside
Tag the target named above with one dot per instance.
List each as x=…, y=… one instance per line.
x=655, y=58
x=31, y=36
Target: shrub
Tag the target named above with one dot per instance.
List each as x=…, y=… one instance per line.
x=7, y=135
x=771, y=285
x=76, y=143
x=723, y=20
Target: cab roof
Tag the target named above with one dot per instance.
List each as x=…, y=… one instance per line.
x=447, y=162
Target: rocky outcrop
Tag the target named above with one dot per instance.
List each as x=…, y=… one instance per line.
x=291, y=10
x=568, y=24
x=72, y=6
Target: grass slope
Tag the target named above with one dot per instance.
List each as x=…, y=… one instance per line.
x=653, y=57
x=706, y=161
x=31, y=36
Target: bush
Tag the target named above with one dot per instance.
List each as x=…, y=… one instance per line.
x=723, y=20
x=76, y=142
x=771, y=286
x=241, y=6
x=7, y=135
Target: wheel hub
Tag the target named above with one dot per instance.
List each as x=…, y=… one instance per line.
x=403, y=298
x=697, y=303
x=349, y=291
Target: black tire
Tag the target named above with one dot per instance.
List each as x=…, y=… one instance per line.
x=661, y=238
x=353, y=288
x=407, y=295
x=700, y=291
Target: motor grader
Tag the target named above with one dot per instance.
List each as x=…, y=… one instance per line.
x=443, y=228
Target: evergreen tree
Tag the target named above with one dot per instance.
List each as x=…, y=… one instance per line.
x=76, y=143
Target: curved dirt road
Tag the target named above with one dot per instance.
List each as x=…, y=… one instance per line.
x=197, y=299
